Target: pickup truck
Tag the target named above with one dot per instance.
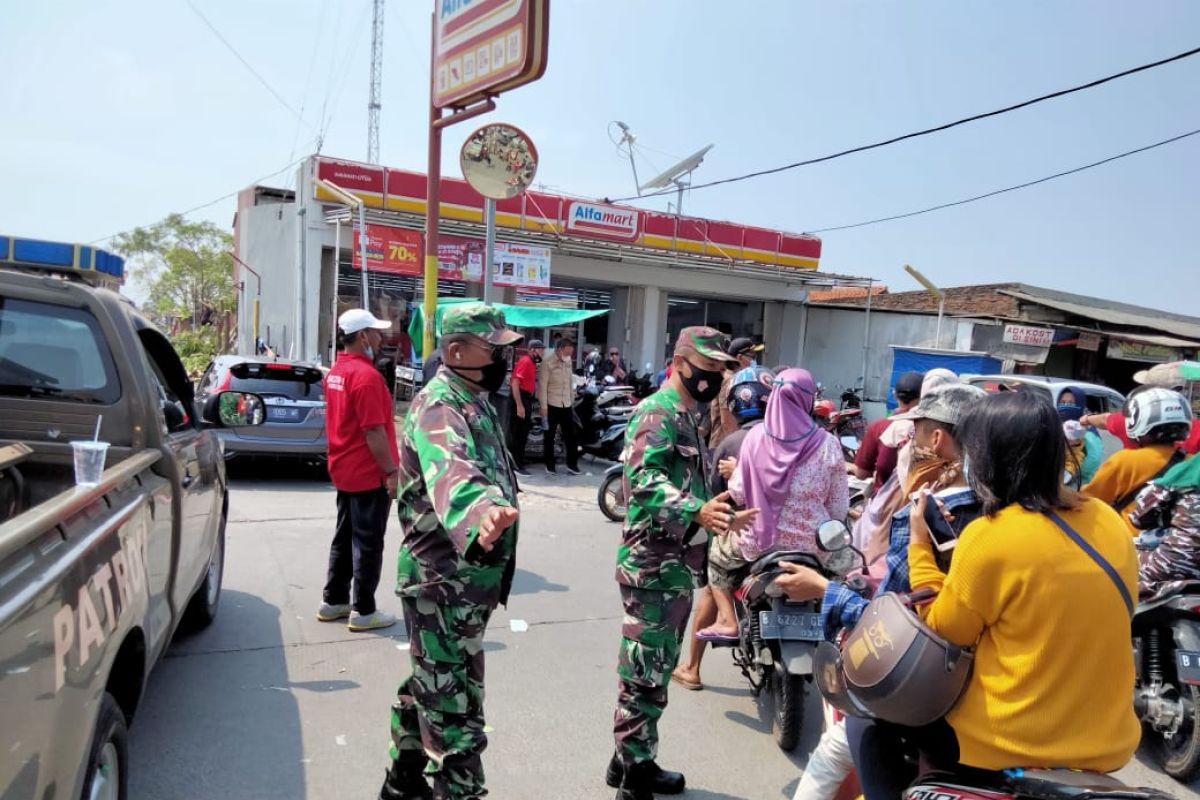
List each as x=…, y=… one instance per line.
x=94, y=580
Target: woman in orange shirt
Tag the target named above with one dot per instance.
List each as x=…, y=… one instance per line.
x=1158, y=420
x=1052, y=675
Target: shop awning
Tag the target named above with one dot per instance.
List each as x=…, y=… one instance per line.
x=516, y=316
x=1154, y=339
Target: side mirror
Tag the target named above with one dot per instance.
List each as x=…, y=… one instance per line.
x=833, y=536
x=234, y=410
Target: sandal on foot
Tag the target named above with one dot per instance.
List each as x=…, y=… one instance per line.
x=692, y=686
x=709, y=635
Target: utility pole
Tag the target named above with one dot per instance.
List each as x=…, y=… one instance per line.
x=373, y=104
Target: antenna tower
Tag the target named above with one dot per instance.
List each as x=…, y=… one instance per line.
x=373, y=104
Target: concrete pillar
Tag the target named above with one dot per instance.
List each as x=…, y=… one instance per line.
x=646, y=319
x=619, y=333
x=793, y=319
x=772, y=326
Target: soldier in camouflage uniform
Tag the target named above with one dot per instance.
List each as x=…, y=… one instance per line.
x=457, y=500
x=663, y=554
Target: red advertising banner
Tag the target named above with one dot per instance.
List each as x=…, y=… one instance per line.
x=389, y=249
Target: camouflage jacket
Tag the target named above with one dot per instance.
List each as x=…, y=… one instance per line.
x=453, y=468
x=662, y=546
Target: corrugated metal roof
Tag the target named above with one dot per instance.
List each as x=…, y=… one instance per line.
x=1108, y=311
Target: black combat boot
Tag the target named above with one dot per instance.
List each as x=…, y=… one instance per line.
x=406, y=780
x=648, y=773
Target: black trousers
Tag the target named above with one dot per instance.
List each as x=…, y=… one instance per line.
x=502, y=405
x=520, y=428
x=565, y=418
x=879, y=749
x=356, y=555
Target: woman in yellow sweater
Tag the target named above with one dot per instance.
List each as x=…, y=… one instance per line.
x=1053, y=675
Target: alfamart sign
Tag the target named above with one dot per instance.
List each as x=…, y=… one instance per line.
x=602, y=220
x=404, y=191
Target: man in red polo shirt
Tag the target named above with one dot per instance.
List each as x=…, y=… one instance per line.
x=363, y=463
x=524, y=391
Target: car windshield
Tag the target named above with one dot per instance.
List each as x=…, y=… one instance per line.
x=54, y=352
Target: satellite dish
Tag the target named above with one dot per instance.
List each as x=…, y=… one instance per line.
x=674, y=173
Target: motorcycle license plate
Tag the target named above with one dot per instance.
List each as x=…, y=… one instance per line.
x=1189, y=666
x=802, y=626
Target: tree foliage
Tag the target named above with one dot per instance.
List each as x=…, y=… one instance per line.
x=187, y=272
x=185, y=266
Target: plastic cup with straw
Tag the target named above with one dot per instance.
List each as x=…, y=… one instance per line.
x=90, y=457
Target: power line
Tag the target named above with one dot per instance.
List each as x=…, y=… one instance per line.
x=245, y=63
x=1025, y=185
x=203, y=206
x=925, y=132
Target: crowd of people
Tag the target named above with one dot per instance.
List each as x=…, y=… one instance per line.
x=1042, y=540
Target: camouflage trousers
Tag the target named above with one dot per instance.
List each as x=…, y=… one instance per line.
x=439, y=708
x=651, y=639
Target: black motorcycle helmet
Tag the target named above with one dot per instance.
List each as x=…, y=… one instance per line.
x=748, y=393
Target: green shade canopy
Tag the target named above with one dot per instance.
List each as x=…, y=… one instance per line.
x=516, y=316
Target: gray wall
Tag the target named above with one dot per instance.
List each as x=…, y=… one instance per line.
x=267, y=237
x=833, y=345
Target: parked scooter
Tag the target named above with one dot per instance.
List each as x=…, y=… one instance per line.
x=602, y=430
x=611, y=495
x=844, y=422
x=777, y=639
x=1166, y=644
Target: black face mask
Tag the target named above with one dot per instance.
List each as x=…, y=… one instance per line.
x=491, y=374
x=536, y=359
x=703, y=384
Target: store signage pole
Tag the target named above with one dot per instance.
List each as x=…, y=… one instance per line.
x=362, y=252
x=489, y=248
x=459, y=82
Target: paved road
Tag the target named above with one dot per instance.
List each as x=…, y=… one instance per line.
x=269, y=703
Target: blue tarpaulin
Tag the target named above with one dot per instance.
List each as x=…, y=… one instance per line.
x=912, y=359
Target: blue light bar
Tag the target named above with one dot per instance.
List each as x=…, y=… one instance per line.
x=98, y=266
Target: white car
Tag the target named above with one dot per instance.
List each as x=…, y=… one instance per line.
x=1100, y=399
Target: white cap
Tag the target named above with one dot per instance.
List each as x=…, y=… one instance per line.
x=359, y=319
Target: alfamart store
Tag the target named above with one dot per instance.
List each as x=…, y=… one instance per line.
x=654, y=273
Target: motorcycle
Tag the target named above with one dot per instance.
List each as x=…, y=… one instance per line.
x=601, y=430
x=1166, y=697
x=777, y=639
x=611, y=495
x=845, y=422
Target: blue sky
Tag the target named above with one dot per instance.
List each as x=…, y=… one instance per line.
x=117, y=114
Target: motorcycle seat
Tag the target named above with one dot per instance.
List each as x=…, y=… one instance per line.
x=1046, y=784
x=1167, y=592
x=1068, y=784
x=771, y=560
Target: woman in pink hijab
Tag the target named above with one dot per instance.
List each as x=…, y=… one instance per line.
x=793, y=471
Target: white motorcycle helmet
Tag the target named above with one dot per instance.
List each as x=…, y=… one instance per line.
x=1154, y=408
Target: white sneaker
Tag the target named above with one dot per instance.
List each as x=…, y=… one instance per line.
x=329, y=612
x=372, y=621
